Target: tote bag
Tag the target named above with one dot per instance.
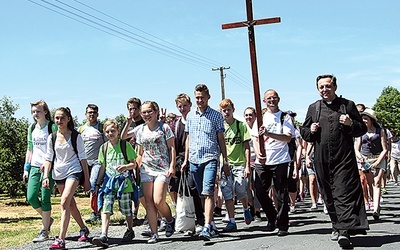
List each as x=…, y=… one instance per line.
x=185, y=211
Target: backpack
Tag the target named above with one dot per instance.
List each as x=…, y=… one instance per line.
x=49, y=126
x=122, y=144
x=292, y=143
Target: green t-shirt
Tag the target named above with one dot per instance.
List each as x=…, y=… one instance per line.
x=115, y=158
x=235, y=135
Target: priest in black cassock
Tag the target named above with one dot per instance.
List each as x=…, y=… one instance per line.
x=331, y=124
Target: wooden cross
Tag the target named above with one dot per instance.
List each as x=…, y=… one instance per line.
x=252, y=43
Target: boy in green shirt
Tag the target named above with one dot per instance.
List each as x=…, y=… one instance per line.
x=117, y=158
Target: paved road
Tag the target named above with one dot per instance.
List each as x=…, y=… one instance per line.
x=308, y=230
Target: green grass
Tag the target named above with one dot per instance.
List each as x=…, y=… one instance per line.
x=21, y=223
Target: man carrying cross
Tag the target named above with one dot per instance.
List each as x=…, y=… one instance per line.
x=276, y=131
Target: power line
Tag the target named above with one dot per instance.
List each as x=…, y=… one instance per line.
x=100, y=24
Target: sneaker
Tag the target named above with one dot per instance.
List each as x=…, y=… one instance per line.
x=214, y=232
x=396, y=184
x=198, y=229
x=320, y=201
x=205, y=234
x=248, y=218
x=257, y=217
x=101, y=241
x=292, y=209
x=334, y=235
x=163, y=225
x=314, y=206
x=282, y=233
x=226, y=218
x=153, y=238
x=93, y=218
x=128, y=235
x=58, y=244
x=344, y=241
x=188, y=233
x=325, y=210
x=146, y=233
x=42, y=236
x=231, y=227
x=84, y=233
x=170, y=228
x=384, y=191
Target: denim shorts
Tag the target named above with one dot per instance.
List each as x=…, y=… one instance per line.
x=94, y=173
x=204, y=175
x=162, y=177
x=74, y=176
x=235, y=184
x=311, y=171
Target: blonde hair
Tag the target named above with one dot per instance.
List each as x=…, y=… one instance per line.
x=43, y=104
x=110, y=122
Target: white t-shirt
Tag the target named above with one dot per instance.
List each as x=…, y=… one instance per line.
x=39, y=140
x=276, y=151
x=66, y=161
x=395, y=151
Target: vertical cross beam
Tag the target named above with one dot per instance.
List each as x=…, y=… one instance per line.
x=250, y=23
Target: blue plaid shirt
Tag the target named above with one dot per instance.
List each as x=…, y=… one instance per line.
x=203, y=132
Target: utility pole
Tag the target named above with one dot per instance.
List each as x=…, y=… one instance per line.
x=221, y=70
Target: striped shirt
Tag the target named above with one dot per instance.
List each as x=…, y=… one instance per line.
x=203, y=129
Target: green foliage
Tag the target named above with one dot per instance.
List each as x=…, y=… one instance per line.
x=13, y=134
x=387, y=108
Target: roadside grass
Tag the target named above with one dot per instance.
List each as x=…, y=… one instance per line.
x=20, y=223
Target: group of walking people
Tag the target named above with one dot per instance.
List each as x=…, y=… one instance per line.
x=256, y=162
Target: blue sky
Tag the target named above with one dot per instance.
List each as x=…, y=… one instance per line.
x=45, y=55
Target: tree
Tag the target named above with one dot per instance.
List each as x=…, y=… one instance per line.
x=387, y=108
x=13, y=134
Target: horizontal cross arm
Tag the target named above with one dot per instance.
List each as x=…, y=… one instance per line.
x=251, y=23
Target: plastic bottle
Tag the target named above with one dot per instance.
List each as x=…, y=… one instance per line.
x=223, y=181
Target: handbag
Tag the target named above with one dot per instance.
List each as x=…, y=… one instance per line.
x=185, y=210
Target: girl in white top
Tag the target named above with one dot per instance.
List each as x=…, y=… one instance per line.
x=34, y=166
x=68, y=168
x=156, y=158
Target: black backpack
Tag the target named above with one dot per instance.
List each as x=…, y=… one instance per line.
x=49, y=126
x=292, y=143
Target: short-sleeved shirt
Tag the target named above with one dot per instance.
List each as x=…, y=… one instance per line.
x=155, y=158
x=203, y=129
x=395, y=150
x=37, y=142
x=277, y=152
x=66, y=161
x=235, y=135
x=93, y=138
x=114, y=158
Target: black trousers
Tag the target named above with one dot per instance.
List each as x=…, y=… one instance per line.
x=278, y=175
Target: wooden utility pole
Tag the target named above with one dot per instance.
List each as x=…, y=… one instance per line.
x=250, y=23
x=221, y=70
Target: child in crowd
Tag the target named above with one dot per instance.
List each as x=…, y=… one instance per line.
x=65, y=151
x=34, y=166
x=117, y=158
x=156, y=158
